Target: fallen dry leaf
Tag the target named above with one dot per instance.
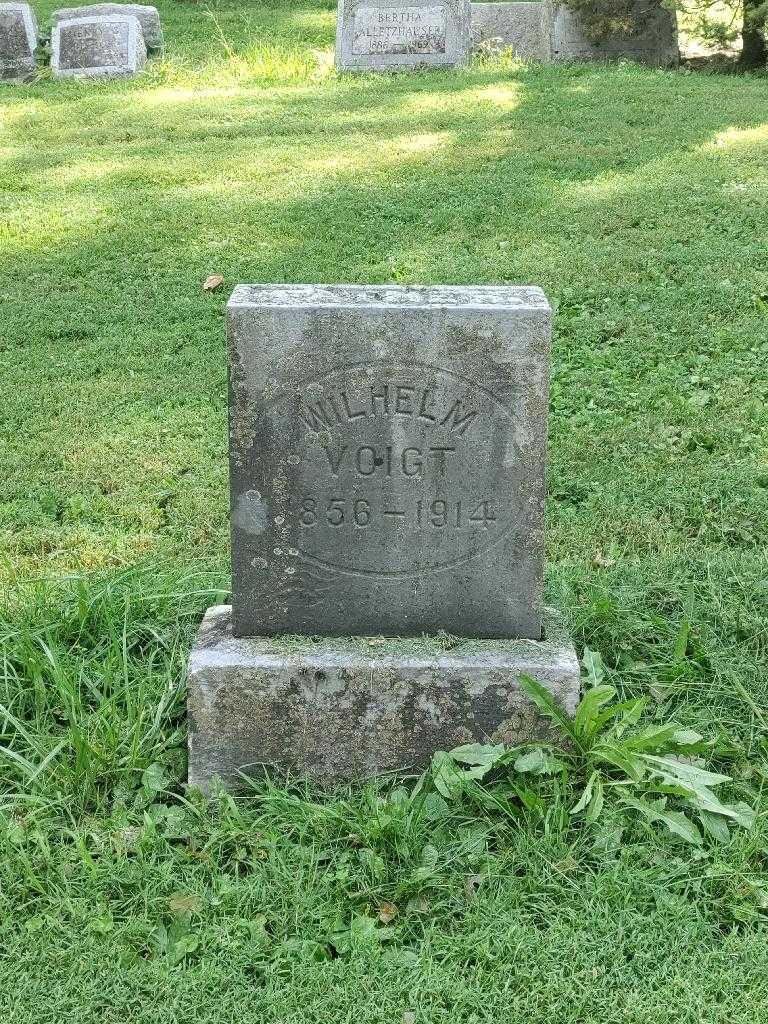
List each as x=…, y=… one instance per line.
x=604, y=561
x=213, y=282
x=472, y=883
x=181, y=903
x=567, y=866
x=409, y=1017
x=387, y=912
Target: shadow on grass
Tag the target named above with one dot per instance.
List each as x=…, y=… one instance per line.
x=610, y=187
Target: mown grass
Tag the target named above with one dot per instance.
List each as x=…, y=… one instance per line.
x=639, y=201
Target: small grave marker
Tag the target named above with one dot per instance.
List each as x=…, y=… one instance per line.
x=515, y=25
x=654, y=41
x=382, y=35
x=18, y=42
x=99, y=47
x=149, y=18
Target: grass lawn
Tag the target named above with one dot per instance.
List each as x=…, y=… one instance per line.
x=639, y=201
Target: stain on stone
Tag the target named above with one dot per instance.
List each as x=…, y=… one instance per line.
x=250, y=514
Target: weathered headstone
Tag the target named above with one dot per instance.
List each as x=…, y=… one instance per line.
x=149, y=18
x=517, y=26
x=18, y=42
x=654, y=41
x=387, y=35
x=100, y=47
x=387, y=462
x=387, y=459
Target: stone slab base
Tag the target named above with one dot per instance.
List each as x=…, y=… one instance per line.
x=335, y=709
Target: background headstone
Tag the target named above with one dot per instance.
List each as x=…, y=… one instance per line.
x=387, y=35
x=655, y=44
x=18, y=42
x=388, y=459
x=517, y=25
x=100, y=47
x=149, y=18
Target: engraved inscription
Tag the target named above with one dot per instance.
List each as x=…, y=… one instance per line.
x=398, y=30
x=85, y=45
x=387, y=470
x=13, y=36
x=437, y=514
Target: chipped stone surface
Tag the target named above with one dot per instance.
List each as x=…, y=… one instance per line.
x=387, y=459
x=18, y=42
x=98, y=47
x=387, y=35
x=518, y=26
x=655, y=43
x=149, y=18
x=340, y=709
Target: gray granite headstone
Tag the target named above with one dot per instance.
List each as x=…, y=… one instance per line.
x=387, y=462
x=388, y=459
x=387, y=35
x=18, y=42
x=100, y=47
x=149, y=18
x=517, y=25
x=653, y=43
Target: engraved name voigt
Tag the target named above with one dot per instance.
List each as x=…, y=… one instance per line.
x=388, y=470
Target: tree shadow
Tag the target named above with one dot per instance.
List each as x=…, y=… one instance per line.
x=608, y=186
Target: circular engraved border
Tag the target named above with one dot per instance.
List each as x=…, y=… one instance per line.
x=427, y=570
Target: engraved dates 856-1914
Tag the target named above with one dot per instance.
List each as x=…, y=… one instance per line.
x=387, y=470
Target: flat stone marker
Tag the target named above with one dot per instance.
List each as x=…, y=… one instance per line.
x=517, y=25
x=384, y=35
x=18, y=42
x=149, y=18
x=387, y=459
x=387, y=462
x=100, y=47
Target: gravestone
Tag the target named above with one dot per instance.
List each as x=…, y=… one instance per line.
x=149, y=18
x=516, y=25
x=100, y=47
x=387, y=35
x=18, y=42
x=387, y=473
x=653, y=43
x=387, y=453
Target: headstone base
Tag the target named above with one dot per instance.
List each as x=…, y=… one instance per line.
x=335, y=709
